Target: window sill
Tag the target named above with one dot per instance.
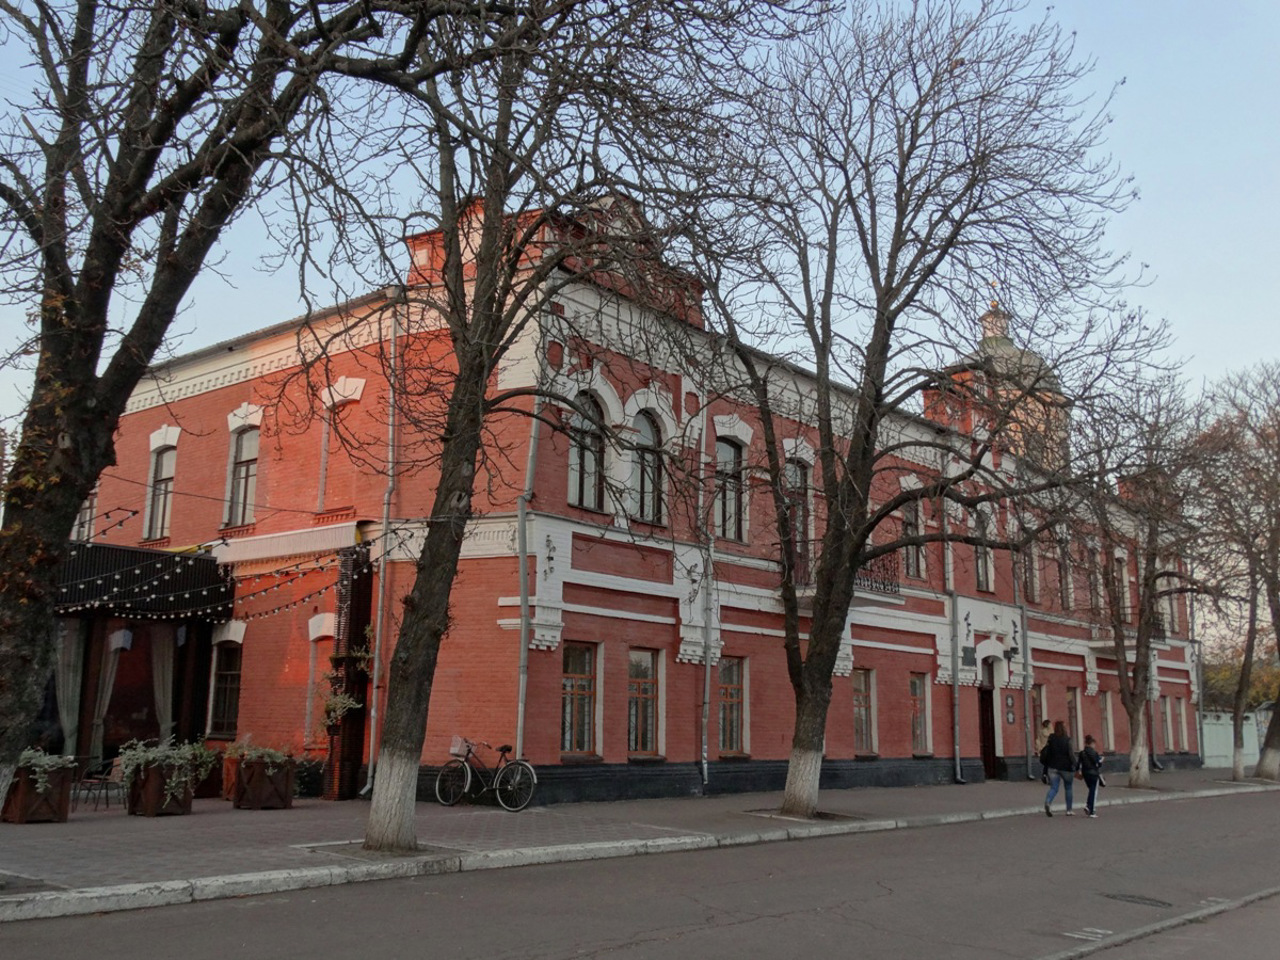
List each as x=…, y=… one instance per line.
x=580, y=759
x=154, y=542
x=643, y=759
x=865, y=757
x=240, y=530
x=922, y=756
x=650, y=524
x=594, y=511
x=735, y=757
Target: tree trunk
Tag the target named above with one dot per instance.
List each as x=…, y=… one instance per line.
x=426, y=618
x=1241, y=700
x=1268, y=767
x=800, y=795
x=1139, y=757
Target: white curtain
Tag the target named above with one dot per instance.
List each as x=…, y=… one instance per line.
x=68, y=675
x=117, y=640
x=163, y=642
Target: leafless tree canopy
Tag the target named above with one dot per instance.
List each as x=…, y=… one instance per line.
x=882, y=180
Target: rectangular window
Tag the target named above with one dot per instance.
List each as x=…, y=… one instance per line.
x=1104, y=704
x=1031, y=573
x=1180, y=706
x=1095, y=592
x=642, y=702
x=163, y=463
x=1073, y=716
x=244, y=477
x=1037, y=706
x=981, y=555
x=864, y=741
x=578, y=698
x=1120, y=571
x=729, y=489
x=1065, y=593
x=912, y=553
x=225, y=698
x=733, y=701
x=919, y=690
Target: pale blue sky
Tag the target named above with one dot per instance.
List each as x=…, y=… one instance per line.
x=1196, y=122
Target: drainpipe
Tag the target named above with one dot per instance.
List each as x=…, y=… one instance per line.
x=522, y=548
x=1198, y=653
x=708, y=607
x=955, y=686
x=708, y=584
x=1026, y=668
x=948, y=581
x=387, y=496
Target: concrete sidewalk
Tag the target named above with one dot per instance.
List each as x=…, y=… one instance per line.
x=105, y=860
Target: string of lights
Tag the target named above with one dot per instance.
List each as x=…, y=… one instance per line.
x=300, y=569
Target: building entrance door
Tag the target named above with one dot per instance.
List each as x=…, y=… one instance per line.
x=987, y=719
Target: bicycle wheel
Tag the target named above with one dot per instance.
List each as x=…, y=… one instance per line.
x=514, y=785
x=452, y=782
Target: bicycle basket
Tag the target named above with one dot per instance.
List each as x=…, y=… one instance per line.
x=458, y=748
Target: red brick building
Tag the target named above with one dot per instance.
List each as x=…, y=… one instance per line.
x=600, y=668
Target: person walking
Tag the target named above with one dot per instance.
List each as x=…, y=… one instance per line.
x=1089, y=763
x=1042, y=737
x=1060, y=760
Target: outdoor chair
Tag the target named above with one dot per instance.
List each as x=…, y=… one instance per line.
x=98, y=784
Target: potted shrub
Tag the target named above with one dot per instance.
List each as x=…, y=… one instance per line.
x=41, y=788
x=336, y=706
x=161, y=779
x=264, y=779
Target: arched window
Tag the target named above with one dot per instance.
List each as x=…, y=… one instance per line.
x=982, y=552
x=646, y=474
x=728, y=503
x=586, y=455
x=795, y=487
x=244, y=477
x=163, y=463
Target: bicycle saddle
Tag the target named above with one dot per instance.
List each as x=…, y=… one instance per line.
x=505, y=748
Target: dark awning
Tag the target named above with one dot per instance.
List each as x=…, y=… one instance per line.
x=140, y=584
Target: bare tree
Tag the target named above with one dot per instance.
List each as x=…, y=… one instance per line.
x=150, y=127
x=1141, y=466
x=522, y=163
x=1241, y=507
x=885, y=173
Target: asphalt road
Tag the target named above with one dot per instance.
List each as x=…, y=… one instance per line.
x=1027, y=887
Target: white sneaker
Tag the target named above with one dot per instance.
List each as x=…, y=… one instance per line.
x=1070, y=814
x=1093, y=816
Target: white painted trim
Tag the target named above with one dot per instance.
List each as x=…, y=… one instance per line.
x=733, y=426
x=344, y=390
x=328, y=539
x=244, y=416
x=230, y=631
x=798, y=448
x=616, y=614
x=166, y=436
x=321, y=626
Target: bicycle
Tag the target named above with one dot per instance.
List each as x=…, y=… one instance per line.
x=511, y=781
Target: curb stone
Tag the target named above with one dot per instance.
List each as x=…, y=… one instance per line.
x=137, y=896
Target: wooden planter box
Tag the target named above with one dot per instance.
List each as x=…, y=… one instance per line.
x=230, y=775
x=147, y=795
x=26, y=804
x=258, y=789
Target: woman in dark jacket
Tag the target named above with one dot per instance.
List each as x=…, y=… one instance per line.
x=1090, y=766
x=1061, y=761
